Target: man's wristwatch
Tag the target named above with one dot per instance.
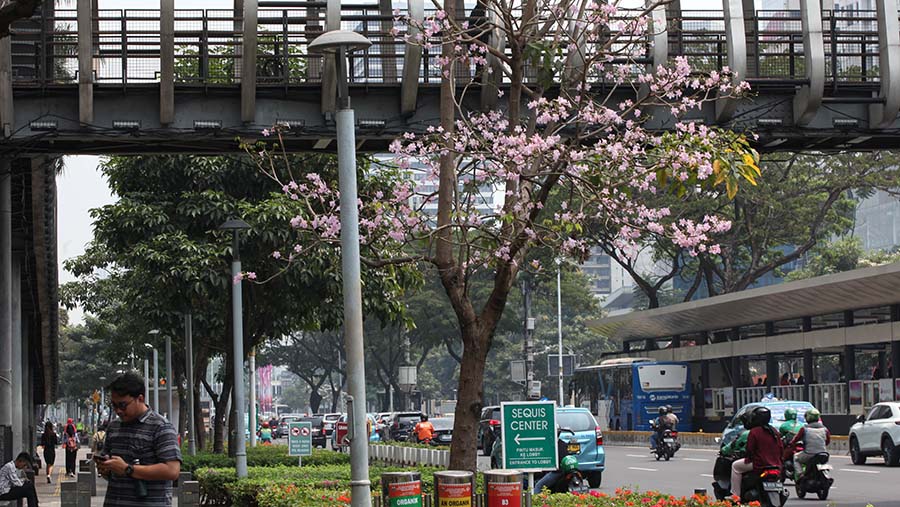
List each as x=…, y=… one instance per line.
x=129, y=470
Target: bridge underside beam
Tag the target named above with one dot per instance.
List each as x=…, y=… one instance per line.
x=372, y=103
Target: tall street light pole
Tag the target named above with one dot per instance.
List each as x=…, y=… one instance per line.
x=146, y=380
x=189, y=353
x=170, y=377
x=236, y=225
x=340, y=42
x=562, y=402
x=252, y=418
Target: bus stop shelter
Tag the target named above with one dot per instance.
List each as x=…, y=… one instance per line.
x=839, y=335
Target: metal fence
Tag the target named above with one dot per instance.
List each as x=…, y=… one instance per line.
x=208, y=46
x=829, y=398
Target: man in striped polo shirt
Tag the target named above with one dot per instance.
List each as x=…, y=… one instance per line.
x=140, y=455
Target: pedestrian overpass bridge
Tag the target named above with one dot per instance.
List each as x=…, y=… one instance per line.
x=174, y=80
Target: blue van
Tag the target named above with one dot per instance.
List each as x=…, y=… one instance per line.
x=735, y=426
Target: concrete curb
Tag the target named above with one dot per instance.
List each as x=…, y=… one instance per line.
x=839, y=443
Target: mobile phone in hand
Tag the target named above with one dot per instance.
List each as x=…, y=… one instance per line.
x=100, y=458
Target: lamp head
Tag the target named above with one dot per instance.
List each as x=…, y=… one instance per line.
x=234, y=224
x=153, y=332
x=331, y=42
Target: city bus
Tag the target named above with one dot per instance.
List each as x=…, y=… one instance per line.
x=626, y=393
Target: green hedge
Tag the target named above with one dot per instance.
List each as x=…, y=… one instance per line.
x=273, y=486
x=263, y=456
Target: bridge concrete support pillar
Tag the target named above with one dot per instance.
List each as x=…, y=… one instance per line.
x=772, y=374
x=412, y=60
x=882, y=362
x=736, y=39
x=7, y=116
x=15, y=314
x=894, y=364
x=736, y=369
x=751, y=28
x=848, y=362
x=809, y=372
x=809, y=96
x=6, y=285
x=166, y=62
x=248, y=62
x=388, y=65
x=85, y=63
x=883, y=115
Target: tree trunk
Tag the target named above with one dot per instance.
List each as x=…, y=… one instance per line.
x=464, y=452
x=315, y=399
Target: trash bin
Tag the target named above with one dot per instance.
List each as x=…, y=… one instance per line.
x=503, y=488
x=401, y=489
x=454, y=488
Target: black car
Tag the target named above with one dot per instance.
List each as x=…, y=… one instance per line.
x=443, y=430
x=402, y=424
x=490, y=418
x=319, y=437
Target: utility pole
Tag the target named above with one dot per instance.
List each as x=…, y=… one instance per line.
x=529, y=337
x=170, y=377
x=189, y=339
x=253, y=416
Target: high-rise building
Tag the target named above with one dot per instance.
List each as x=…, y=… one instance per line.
x=878, y=222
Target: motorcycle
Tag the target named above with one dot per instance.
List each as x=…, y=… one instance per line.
x=574, y=481
x=667, y=444
x=766, y=487
x=816, y=477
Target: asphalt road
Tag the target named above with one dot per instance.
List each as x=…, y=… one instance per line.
x=634, y=467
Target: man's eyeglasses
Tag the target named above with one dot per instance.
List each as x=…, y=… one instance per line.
x=121, y=405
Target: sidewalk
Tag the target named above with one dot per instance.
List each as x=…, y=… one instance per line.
x=48, y=494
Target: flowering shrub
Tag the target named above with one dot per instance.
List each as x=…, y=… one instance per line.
x=629, y=498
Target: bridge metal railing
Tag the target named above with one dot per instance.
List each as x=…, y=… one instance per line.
x=776, y=45
x=747, y=395
x=208, y=45
x=830, y=398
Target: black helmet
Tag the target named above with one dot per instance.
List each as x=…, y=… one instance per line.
x=760, y=416
x=662, y=410
x=423, y=417
x=668, y=409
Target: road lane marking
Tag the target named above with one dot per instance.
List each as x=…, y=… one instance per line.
x=695, y=459
x=643, y=469
x=637, y=455
x=707, y=475
x=859, y=471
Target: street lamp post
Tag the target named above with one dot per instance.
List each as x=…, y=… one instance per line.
x=102, y=397
x=341, y=42
x=189, y=339
x=146, y=380
x=253, y=416
x=236, y=225
x=169, y=378
x=562, y=402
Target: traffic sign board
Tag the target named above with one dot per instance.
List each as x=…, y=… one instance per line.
x=300, y=438
x=528, y=434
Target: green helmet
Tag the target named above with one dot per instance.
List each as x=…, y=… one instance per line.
x=812, y=415
x=790, y=414
x=569, y=464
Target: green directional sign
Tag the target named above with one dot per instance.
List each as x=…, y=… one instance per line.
x=528, y=434
x=300, y=438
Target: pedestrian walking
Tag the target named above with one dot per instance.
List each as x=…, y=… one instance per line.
x=140, y=455
x=12, y=485
x=98, y=438
x=70, y=444
x=49, y=441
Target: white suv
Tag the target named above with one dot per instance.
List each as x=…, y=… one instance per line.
x=877, y=434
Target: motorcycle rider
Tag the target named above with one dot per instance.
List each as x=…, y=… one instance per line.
x=672, y=418
x=738, y=447
x=791, y=426
x=662, y=423
x=764, y=449
x=815, y=438
x=567, y=465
